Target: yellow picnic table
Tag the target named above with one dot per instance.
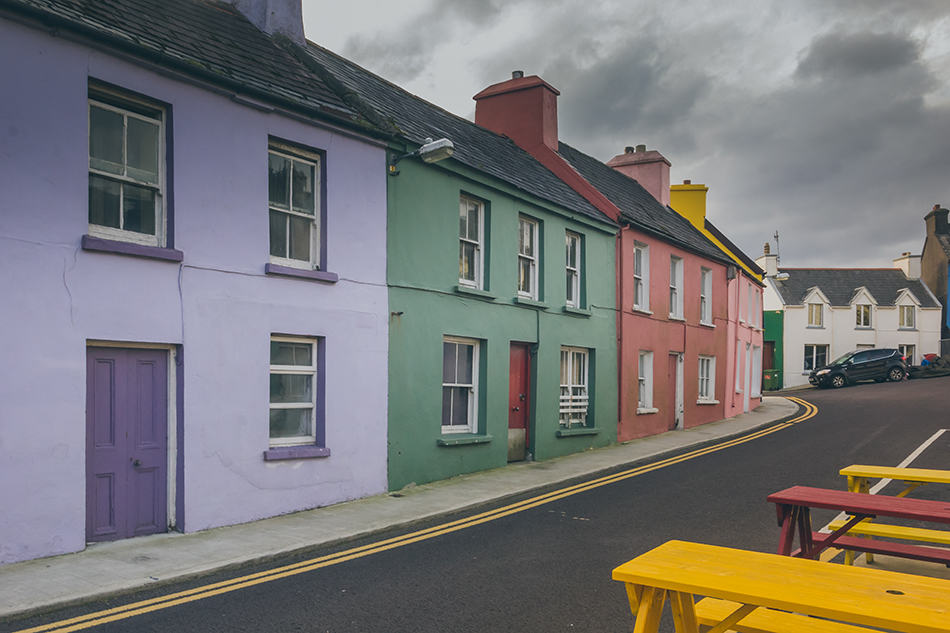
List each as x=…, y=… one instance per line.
x=776, y=593
x=858, y=475
x=858, y=481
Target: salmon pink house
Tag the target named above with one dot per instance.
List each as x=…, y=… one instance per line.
x=744, y=325
x=673, y=299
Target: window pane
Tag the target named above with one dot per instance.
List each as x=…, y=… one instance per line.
x=460, y=397
x=463, y=220
x=281, y=353
x=291, y=388
x=303, y=354
x=103, y=202
x=565, y=367
x=278, y=183
x=570, y=287
x=278, y=234
x=446, y=406
x=142, y=152
x=105, y=140
x=300, y=238
x=303, y=184
x=139, y=209
x=821, y=355
x=580, y=368
x=449, y=351
x=638, y=262
x=291, y=422
x=524, y=275
x=467, y=261
x=466, y=357
x=472, y=223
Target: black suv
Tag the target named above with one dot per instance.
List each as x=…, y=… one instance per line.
x=862, y=364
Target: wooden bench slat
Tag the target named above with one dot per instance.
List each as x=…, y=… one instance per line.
x=710, y=611
x=903, y=550
x=884, y=530
x=864, y=504
x=929, y=475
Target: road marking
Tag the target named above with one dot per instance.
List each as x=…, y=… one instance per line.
x=877, y=488
x=97, y=618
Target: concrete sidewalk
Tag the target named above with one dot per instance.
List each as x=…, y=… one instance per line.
x=105, y=569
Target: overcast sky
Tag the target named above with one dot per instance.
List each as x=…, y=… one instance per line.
x=828, y=121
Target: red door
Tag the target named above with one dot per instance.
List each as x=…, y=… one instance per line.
x=519, y=376
x=768, y=354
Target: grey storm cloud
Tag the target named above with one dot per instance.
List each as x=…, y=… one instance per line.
x=845, y=55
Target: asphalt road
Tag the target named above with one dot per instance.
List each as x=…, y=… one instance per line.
x=548, y=568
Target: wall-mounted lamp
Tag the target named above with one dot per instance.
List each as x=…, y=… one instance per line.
x=430, y=152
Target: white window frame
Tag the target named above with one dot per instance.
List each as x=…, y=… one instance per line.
x=641, y=279
x=740, y=363
x=814, y=355
x=706, y=392
x=101, y=99
x=300, y=370
x=574, y=401
x=478, y=281
x=705, y=296
x=904, y=347
x=573, y=270
x=472, y=424
x=528, y=228
x=645, y=383
x=862, y=310
x=903, y=323
x=750, y=312
x=816, y=309
x=295, y=154
x=676, y=287
x=756, y=372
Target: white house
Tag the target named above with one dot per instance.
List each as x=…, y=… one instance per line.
x=828, y=312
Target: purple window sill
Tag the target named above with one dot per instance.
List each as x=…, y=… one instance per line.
x=315, y=275
x=102, y=245
x=295, y=452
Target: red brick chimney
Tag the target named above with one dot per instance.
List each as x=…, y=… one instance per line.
x=523, y=108
x=649, y=168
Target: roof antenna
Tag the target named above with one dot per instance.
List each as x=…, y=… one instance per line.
x=778, y=252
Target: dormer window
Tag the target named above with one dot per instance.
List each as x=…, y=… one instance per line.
x=815, y=315
x=907, y=317
x=862, y=316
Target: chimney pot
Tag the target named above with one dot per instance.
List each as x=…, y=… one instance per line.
x=768, y=249
x=936, y=207
x=687, y=182
x=517, y=74
x=629, y=149
x=641, y=148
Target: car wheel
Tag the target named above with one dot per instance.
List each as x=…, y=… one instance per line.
x=837, y=381
x=895, y=374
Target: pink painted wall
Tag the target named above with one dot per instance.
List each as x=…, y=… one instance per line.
x=740, y=329
x=658, y=333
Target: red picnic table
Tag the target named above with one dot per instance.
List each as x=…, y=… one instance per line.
x=793, y=507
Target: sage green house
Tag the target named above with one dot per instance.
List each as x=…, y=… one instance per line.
x=501, y=297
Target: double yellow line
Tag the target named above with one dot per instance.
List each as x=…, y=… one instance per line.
x=206, y=591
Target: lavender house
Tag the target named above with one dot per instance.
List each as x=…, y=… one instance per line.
x=193, y=290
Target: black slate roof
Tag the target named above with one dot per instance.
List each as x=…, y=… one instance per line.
x=840, y=284
x=477, y=147
x=638, y=207
x=203, y=38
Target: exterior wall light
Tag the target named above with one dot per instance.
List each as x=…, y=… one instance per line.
x=430, y=152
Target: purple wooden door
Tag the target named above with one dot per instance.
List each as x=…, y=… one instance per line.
x=126, y=442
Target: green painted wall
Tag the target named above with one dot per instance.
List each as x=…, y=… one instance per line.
x=425, y=305
x=773, y=323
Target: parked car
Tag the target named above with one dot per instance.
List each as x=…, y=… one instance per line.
x=864, y=364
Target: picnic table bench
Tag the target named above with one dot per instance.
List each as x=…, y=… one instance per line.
x=793, y=509
x=752, y=592
x=858, y=481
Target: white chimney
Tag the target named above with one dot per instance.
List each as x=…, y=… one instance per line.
x=275, y=16
x=910, y=264
x=767, y=261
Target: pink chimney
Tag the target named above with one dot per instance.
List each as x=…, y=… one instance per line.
x=649, y=168
x=523, y=108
